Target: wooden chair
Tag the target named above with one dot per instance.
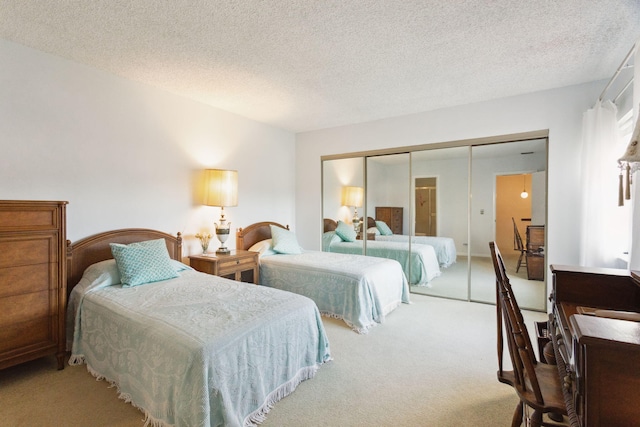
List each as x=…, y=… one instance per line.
x=518, y=245
x=537, y=384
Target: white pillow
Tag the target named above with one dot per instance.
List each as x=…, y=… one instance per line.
x=373, y=230
x=263, y=247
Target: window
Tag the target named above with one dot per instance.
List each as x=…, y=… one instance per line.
x=621, y=238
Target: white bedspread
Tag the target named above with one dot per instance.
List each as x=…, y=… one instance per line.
x=420, y=264
x=360, y=290
x=200, y=350
x=445, y=247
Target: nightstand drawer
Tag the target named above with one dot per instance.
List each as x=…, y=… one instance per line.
x=238, y=265
x=232, y=265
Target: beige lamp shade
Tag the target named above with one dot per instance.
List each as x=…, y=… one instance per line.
x=221, y=187
x=352, y=196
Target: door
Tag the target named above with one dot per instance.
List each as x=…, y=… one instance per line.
x=426, y=209
x=512, y=207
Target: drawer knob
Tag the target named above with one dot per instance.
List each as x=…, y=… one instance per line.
x=237, y=261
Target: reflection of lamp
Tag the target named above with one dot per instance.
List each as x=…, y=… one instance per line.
x=221, y=189
x=352, y=196
x=629, y=162
x=524, y=193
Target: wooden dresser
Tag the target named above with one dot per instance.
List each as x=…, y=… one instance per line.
x=598, y=357
x=392, y=217
x=32, y=281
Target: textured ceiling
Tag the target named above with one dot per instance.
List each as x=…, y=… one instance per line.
x=311, y=64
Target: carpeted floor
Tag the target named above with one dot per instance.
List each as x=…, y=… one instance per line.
x=454, y=282
x=432, y=363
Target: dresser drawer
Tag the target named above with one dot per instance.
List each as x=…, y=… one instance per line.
x=17, y=216
x=17, y=308
x=17, y=249
x=33, y=333
x=27, y=279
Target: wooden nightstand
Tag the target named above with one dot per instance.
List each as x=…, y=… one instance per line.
x=231, y=266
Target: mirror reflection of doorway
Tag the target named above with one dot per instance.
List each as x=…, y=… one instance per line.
x=510, y=207
x=426, y=209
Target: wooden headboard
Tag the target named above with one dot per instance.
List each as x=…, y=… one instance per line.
x=371, y=222
x=87, y=251
x=254, y=233
x=329, y=224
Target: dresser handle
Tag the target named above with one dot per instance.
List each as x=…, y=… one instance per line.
x=237, y=261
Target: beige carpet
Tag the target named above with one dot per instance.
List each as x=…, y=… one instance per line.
x=453, y=282
x=432, y=363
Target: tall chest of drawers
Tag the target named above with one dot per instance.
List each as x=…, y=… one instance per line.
x=32, y=281
x=392, y=217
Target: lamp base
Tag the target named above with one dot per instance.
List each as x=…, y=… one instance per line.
x=223, y=251
x=222, y=232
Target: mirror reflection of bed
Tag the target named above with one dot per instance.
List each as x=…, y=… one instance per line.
x=419, y=262
x=454, y=269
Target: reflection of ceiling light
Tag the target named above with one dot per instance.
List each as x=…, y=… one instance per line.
x=524, y=193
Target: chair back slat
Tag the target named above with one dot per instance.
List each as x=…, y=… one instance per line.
x=499, y=269
x=521, y=350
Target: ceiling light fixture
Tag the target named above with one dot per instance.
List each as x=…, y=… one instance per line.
x=524, y=193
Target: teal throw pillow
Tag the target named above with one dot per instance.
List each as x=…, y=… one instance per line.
x=143, y=262
x=384, y=228
x=284, y=241
x=346, y=232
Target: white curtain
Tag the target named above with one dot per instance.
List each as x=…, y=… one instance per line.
x=601, y=148
x=634, y=262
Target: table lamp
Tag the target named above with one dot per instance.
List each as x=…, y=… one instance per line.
x=353, y=196
x=221, y=189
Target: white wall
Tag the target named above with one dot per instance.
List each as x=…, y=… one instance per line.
x=558, y=110
x=126, y=155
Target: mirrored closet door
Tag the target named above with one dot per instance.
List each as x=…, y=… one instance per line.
x=508, y=206
x=342, y=196
x=388, y=194
x=440, y=187
x=436, y=209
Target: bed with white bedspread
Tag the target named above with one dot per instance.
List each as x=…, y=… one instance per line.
x=359, y=290
x=193, y=350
